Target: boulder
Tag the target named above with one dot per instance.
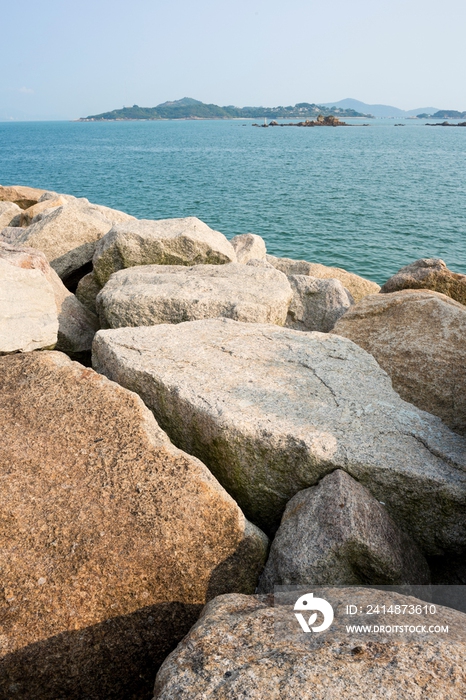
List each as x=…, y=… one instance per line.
x=24, y=197
x=46, y=205
x=271, y=411
x=87, y=291
x=428, y=273
x=28, y=314
x=249, y=246
x=152, y=294
x=165, y=242
x=238, y=650
x=66, y=235
x=356, y=285
x=10, y=234
x=336, y=533
x=419, y=338
x=111, y=539
x=10, y=214
x=76, y=326
x=317, y=304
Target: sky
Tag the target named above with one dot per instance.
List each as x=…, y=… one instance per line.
x=64, y=59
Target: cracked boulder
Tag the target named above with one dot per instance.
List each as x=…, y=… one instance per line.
x=419, y=338
x=187, y=241
x=317, y=304
x=153, y=294
x=336, y=533
x=247, y=647
x=358, y=286
x=271, y=411
x=111, y=538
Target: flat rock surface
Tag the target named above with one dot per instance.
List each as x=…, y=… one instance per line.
x=187, y=241
x=76, y=325
x=428, y=273
x=358, y=286
x=317, y=304
x=111, y=539
x=272, y=410
x=28, y=314
x=234, y=651
x=419, y=338
x=66, y=235
x=152, y=294
x=337, y=533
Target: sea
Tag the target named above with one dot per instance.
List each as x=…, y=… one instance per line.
x=370, y=199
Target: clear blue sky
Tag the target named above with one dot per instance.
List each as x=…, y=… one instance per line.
x=64, y=59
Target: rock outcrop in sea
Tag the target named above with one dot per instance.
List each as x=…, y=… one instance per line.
x=233, y=393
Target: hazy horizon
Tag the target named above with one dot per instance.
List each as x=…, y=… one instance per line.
x=69, y=61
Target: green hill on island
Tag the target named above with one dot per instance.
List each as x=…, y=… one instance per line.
x=187, y=108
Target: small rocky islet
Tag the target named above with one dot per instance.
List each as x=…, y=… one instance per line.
x=187, y=422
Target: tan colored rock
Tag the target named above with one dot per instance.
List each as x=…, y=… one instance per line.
x=243, y=647
x=249, y=246
x=67, y=236
x=186, y=241
x=151, y=294
x=272, y=410
x=429, y=273
x=87, y=290
x=10, y=214
x=317, y=304
x=358, y=286
x=28, y=315
x=111, y=539
x=29, y=214
x=336, y=533
x=24, y=197
x=419, y=338
x=76, y=326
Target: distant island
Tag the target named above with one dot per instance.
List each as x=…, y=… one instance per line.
x=444, y=114
x=187, y=108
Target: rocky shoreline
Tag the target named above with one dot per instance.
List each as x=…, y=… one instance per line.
x=189, y=422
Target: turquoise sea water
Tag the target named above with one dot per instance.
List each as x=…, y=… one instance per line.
x=369, y=199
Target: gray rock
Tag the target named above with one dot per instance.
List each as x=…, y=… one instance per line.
x=165, y=242
x=66, y=235
x=76, y=326
x=317, y=304
x=419, y=338
x=238, y=650
x=9, y=213
x=249, y=246
x=10, y=234
x=428, y=273
x=87, y=291
x=28, y=315
x=337, y=533
x=358, y=286
x=271, y=411
x=152, y=294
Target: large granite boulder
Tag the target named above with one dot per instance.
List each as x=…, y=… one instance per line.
x=337, y=533
x=28, y=314
x=45, y=205
x=249, y=246
x=419, y=338
x=66, y=235
x=76, y=326
x=358, y=286
x=152, y=294
x=317, y=304
x=272, y=410
x=428, y=273
x=24, y=197
x=111, y=539
x=10, y=214
x=87, y=290
x=238, y=650
x=165, y=242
